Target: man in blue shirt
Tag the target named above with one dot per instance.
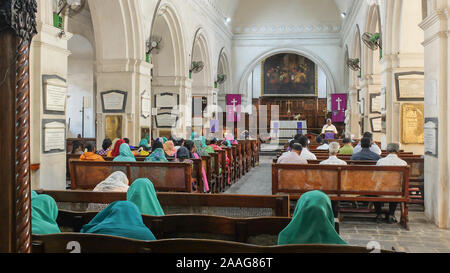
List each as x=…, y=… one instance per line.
x=366, y=153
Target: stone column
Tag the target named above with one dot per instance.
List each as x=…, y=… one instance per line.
x=437, y=118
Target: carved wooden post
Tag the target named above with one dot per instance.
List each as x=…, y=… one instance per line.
x=17, y=28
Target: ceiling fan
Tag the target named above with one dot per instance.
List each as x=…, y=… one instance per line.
x=353, y=64
x=221, y=78
x=70, y=7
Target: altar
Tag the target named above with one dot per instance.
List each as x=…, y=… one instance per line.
x=287, y=129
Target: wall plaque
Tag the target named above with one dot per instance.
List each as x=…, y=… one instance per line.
x=54, y=136
x=114, y=101
x=431, y=137
x=113, y=127
x=166, y=120
x=54, y=94
x=410, y=86
x=376, y=124
x=167, y=101
x=145, y=104
x=413, y=119
x=375, y=103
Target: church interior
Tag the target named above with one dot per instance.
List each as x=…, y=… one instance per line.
x=224, y=126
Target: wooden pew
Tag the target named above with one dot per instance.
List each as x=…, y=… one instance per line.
x=345, y=183
x=257, y=230
x=192, y=203
x=95, y=243
x=165, y=176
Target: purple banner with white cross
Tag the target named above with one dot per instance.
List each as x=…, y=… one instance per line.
x=338, y=107
x=234, y=102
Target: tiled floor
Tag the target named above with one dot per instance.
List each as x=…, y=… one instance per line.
x=423, y=236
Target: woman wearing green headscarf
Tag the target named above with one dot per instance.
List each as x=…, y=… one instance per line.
x=44, y=212
x=121, y=218
x=158, y=154
x=143, y=143
x=312, y=223
x=125, y=154
x=143, y=195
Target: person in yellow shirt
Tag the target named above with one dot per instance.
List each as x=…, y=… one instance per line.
x=89, y=154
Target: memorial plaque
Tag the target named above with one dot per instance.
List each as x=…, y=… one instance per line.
x=145, y=104
x=376, y=124
x=167, y=101
x=54, y=94
x=54, y=136
x=375, y=103
x=114, y=101
x=113, y=128
x=413, y=120
x=166, y=120
x=410, y=86
x=431, y=136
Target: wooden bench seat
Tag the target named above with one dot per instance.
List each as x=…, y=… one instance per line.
x=94, y=243
x=165, y=176
x=184, y=203
x=345, y=183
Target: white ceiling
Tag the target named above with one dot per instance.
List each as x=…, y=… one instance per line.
x=229, y=7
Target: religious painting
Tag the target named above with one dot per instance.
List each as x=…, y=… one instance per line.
x=113, y=127
x=289, y=75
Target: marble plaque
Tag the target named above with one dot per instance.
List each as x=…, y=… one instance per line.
x=376, y=124
x=145, y=104
x=375, y=103
x=55, y=98
x=166, y=101
x=410, y=86
x=413, y=119
x=166, y=120
x=114, y=101
x=431, y=137
x=54, y=136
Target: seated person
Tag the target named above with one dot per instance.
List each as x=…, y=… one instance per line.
x=90, y=154
x=142, y=194
x=306, y=154
x=333, y=160
x=365, y=153
x=312, y=223
x=44, y=213
x=293, y=157
x=120, y=218
x=158, y=154
x=169, y=149
x=291, y=144
x=125, y=154
x=106, y=147
x=183, y=155
x=391, y=160
x=322, y=142
x=230, y=138
x=213, y=144
x=116, y=182
x=347, y=149
x=127, y=141
x=116, y=148
x=373, y=146
x=77, y=148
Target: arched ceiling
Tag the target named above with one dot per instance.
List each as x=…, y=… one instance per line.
x=285, y=12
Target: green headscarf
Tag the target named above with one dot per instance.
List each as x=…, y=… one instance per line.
x=164, y=140
x=44, y=212
x=201, y=150
x=33, y=194
x=144, y=142
x=313, y=222
x=121, y=218
x=125, y=154
x=143, y=195
x=193, y=135
x=158, y=155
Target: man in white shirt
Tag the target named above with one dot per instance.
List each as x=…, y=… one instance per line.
x=329, y=128
x=291, y=143
x=323, y=143
x=293, y=157
x=333, y=160
x=391, y=160
x=306, y=154
x=373, y=148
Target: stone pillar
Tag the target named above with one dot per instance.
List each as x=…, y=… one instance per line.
x=437, y=118
x=130, y=76
x=18, y=22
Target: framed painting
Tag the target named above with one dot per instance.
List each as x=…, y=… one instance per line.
x=289, y=74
